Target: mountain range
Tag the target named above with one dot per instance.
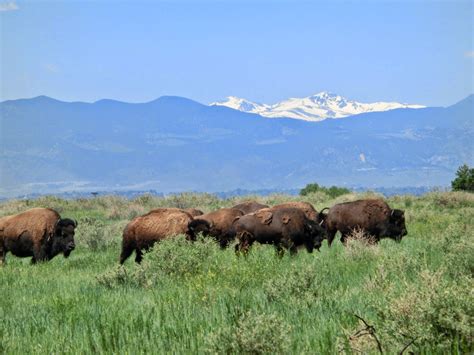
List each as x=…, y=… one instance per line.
x=317, y=107
x=175, y=144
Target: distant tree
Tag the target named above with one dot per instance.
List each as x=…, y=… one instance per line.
x=310, y=188
x=464, y=180
x=332, y=191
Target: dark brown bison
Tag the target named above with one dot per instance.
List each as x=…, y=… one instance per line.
x=193, y=211
x=217, y=224
x=373, y=216
x=249, y=206
x=306, y=207
x=144, y=231
x=39, y=232
x=285, y=228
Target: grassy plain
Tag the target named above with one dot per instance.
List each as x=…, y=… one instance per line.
x=195, y=298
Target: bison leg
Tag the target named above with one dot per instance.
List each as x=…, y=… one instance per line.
x=39, y=254
x=242, y=247
x=293, y=250
x=344, y=237
x=138, y=256
x=3, y=253
x=124, y=255
x=127, y=249
x=245, y=242
x=280, y=251
x=223, y=243
x=331, y=235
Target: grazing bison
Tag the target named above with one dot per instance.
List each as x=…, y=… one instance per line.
x=217, y=224
x=249, y=206
x=285, y=228
x=306, y=207
x=39, y=232
x=144, y=231
x=373, y=216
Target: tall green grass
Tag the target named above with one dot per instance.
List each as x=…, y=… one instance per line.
x=194, y=298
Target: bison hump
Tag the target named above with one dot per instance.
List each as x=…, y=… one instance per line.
x=264, y=216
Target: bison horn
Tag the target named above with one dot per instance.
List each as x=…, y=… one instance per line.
x=321, y=223
x=75, y=223
x=391, y=214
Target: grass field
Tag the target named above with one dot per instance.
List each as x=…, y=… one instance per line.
x=194, y=298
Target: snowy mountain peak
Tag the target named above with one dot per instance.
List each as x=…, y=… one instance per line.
x=239, y=104
x=316, y=107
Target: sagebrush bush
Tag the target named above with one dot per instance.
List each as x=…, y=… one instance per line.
x=253, y=333
x=434, y=312
x=179, y=257
x=360, y=245
x=300, y=285
x=118, y=276
x=174, y=257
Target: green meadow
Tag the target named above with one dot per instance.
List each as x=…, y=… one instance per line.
x=414, y=296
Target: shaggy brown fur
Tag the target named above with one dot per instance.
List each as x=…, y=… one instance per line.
x=38, y=232
x=144, y=231
x=306, y=207
x=249, y=206
x=374, y=216
x=220, y=224
x=194, y=212
x=285, y=228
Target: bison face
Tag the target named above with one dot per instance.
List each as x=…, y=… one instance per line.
x=64, y=239
x=316, y=233
x=197, y=226
x=397, y=228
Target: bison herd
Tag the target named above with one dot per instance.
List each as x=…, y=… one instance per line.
x=42, y=234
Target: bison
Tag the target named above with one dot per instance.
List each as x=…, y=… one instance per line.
x=142, y=232
x=373, y=216
x=217, y=224
x=249, y=206
x=285, y=228
x=39, y=232
x=306, y=207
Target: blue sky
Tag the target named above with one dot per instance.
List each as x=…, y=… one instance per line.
x=407, y=51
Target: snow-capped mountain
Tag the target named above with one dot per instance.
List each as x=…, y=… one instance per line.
x=317, y=107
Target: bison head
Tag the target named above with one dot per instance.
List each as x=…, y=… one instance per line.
x=316, y=235
x=396, y=228
x=63, y=241
x=197, y=226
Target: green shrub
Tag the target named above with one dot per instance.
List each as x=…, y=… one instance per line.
x=299, y=285
x=117, y=277
x=332, y=191
x=174, y=257
x=253, y=333
x=434, y=312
